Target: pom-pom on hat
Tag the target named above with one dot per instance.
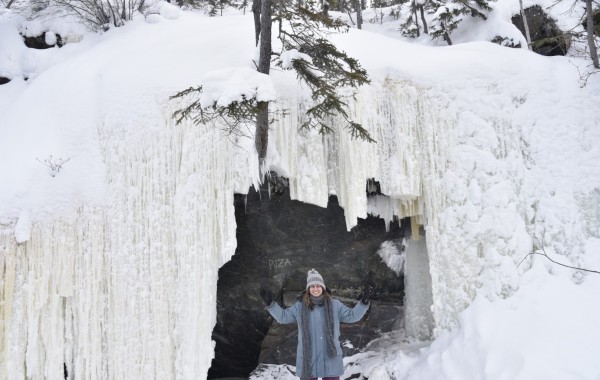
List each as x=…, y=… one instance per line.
x=314, y=278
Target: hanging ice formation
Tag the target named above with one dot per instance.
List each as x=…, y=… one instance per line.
x=129, y=290
x=418, y=319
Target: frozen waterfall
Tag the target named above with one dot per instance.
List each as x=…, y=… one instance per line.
x=128, y=290
x=418, y=319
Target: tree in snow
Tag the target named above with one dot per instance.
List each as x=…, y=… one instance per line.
x=54, y=164
x=591, y=35
x=317, y=62
x=102, y=14
x=448, y=14
x=443, y=16
x=320, y=65
x=214, y=7
x=95, y=14
x=591, y=31
x=525, y=24
x=410, y=27
x=305, y=48
x=349, y=7
x=378, y=6
x=262, y=28
x=7, y=3
x=26, y=8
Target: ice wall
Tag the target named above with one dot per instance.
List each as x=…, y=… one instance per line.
x=453, y=158
x=418, y=319
x=128, y=290
x=483, y=230
x=393, y=113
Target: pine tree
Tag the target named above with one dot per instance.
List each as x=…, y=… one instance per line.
x=410, y=27
x=321, y=66
x=444, y=17
x=318, y=63
x=261, y=136
x=448, y=14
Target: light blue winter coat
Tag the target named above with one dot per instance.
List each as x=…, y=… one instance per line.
x=322, y=365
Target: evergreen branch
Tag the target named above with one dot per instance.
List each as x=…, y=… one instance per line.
x=327, y=69
x=231, y=117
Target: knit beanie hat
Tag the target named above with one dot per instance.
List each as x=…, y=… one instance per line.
x=314, y=278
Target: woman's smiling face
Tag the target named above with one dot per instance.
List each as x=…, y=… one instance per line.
x=315, y=290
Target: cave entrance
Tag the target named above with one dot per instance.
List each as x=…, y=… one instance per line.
x=279, y=240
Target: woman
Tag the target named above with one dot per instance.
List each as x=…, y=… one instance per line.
x=318, y=316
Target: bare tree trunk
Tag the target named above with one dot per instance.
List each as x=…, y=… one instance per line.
x=590, y=33
x=525, y=25
x=256, y=10
x=279, y=16
x=261, y=138
x=447, y=39
x=359, y=19
x=350, y=15
x=414, y=9
x=421, y=8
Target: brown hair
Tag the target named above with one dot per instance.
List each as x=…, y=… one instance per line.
x=308, y=302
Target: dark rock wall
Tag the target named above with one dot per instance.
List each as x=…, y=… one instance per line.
x=546, y=37
x=39, y=42
x=279, y=240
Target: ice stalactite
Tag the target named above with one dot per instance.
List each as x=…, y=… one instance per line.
x=435, y=161
x=337, y=164
x=127, y=290
x=418, y=318
x=298, y=154
x=415, y=132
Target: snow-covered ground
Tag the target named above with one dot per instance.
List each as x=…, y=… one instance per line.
x=493, y=149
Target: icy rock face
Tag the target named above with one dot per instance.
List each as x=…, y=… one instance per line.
x=482, y=230
x=278, y=242
x=128, y=290
x=415, y=130
x=548, y=39
x=459, y=173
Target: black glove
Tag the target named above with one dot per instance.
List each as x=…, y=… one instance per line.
x=267, y=296
x=365, y=295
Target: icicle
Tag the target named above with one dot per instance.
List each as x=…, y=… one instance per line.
x=419, y=321
x=127, y=290
x=336, y=164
